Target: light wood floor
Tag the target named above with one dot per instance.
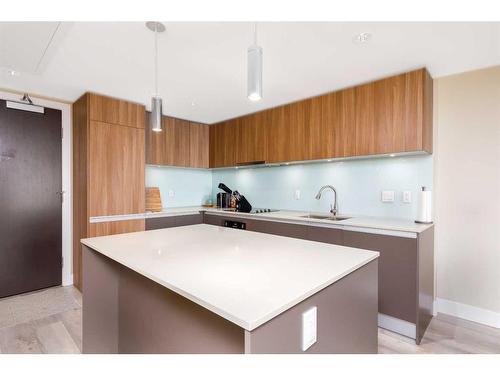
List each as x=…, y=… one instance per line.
x=50, y=321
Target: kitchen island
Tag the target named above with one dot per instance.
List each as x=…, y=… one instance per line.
x=208, y=289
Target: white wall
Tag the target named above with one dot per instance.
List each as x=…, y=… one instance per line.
x=467, y=193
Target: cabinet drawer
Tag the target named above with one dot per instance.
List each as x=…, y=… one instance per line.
x=173, y=221
x=279, y=229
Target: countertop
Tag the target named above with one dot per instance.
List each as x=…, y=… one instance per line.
x=246, y=277
x=354, y=222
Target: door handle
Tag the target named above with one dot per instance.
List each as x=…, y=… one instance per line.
x=61, y=194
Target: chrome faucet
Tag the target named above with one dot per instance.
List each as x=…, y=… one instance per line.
x=333, y=207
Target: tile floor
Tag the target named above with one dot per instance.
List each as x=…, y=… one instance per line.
x=50, y=321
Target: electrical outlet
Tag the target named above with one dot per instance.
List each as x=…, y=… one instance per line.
x=407, y=196
x=296, y=195
x=171, y=193
x=388, y=196
x=309, y=327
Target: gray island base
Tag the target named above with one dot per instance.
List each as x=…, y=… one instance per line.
x=127, y=312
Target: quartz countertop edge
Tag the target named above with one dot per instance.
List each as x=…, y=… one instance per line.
x=95, y=243
x=354, y=221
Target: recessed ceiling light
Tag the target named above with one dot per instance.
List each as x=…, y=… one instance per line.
x=362, y=38
x=14, y=73
x=392, y=155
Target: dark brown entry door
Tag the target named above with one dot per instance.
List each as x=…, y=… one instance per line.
x=30, y=206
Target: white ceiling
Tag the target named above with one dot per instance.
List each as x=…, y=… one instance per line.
x=202, y=66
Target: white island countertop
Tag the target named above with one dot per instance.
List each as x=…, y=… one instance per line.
x=246, y=277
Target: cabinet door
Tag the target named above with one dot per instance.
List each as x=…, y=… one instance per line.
x=365, y=119
x=397, y=275
x=332, y=125
x=289, y=133
x=198, y=145
x=390, y=115
x=116, y=111
x=176, y=142
x=279, y=229
x=155, y=144
x=277, y=135
x=417, y=120
x=252, y=138
x=116, y=169
x=297, y=120
x=223, y=138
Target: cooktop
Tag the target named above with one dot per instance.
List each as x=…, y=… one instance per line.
x=262, y=210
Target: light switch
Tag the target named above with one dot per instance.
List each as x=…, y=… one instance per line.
x=388, y=196
x=171, y=193
x=309, y=327
x=296, y=195
x=407, y=196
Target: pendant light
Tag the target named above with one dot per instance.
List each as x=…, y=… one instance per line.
x=156, y=110
x=254, y=66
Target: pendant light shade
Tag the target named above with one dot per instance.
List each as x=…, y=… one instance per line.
x=156, y=103
x=254, y=73
x=156, y=114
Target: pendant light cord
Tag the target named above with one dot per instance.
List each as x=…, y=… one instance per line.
x=156, y=59
x=255, y=33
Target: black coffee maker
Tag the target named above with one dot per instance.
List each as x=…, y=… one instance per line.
x=224, y=199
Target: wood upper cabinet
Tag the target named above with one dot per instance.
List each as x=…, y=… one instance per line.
x=223, y=138
x=251, y=141
x=198, y=145
x=181, y=143
x=394, y=114
x=115, y=111
x=386, y=116
x=331, y=125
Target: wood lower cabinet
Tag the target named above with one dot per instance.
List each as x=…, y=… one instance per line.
x=108, y=168
x=391, y=115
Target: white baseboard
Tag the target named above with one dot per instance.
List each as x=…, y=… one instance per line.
x=67, y=280
x=468, y=312
x=397, y=325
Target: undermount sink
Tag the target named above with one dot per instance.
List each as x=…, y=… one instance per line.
x=326, y=217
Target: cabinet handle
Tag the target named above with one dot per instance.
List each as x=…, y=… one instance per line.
x=256, y=162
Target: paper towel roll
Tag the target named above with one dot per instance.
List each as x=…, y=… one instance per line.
x=424, y=209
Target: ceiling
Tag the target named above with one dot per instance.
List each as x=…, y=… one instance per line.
x=202, y=66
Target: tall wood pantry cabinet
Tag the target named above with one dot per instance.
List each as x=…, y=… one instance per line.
x=108, y=168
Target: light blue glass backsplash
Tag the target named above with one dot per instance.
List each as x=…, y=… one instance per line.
x=359, y=184
x=191, y=187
